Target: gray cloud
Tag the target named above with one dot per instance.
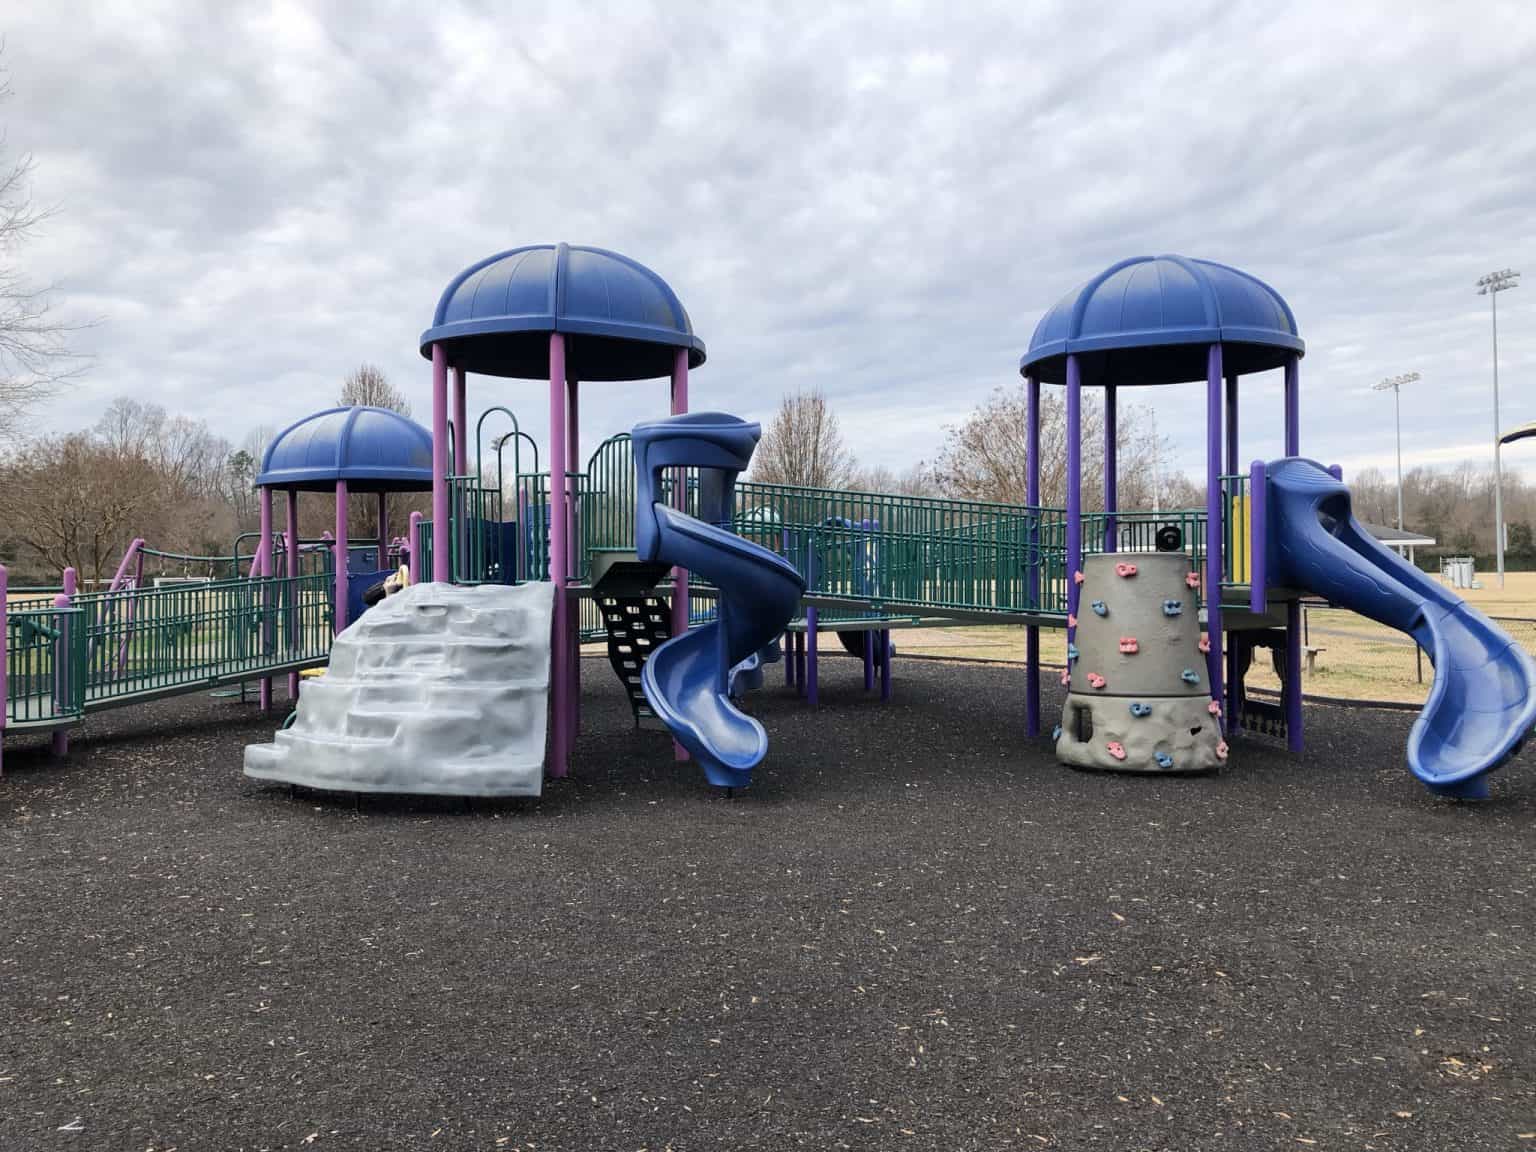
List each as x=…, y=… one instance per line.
x=880, y=202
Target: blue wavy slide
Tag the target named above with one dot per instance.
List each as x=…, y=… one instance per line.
x=1482, y=705
x=687, y=679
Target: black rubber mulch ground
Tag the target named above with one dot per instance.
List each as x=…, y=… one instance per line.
x=914, y=932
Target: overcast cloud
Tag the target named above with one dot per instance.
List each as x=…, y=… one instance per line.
x=878, y=201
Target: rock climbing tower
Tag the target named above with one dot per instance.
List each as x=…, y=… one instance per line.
x=1138, y=697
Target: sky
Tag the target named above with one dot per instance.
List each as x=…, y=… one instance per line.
x=877, y=200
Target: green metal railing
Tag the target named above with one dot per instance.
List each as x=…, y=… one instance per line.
x=148, y=640
x=1236, y=539
x=44, y=661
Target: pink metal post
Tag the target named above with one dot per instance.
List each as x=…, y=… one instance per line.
x=573, y=466
x=440, y=545
x=460, y=427
x=341, y=555
x=61, y=674
x=560, y=687
x=264, y=569
x=291, y=524
x=413, y=540
x=680, y=606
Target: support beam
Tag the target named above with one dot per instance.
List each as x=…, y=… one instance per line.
x=1111, y=479
x=559, y=552
x=291, y=552
x=441, y=558
x=1213, y=533
x=342, y=551
x=680, y=604
x=264, y=554
x=460, y=425
x=1032, y=560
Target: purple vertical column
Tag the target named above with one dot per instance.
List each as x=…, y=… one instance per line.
x=573, y=488
x=559, y=552
x=1292, y=687
x=264, y=559
x=342, y=549
x=885, y=664
x=810, y=656
x=1213, y=556
x=1074, y=486
x=460, y=424
x=441, y=558
x=680, y=605
x=1032, y=559
x=291, y=547
x=414, y=531
x=1234, y=674
x=62, y=668
x=5, y=700
x=867, y=650
x=1111, y=479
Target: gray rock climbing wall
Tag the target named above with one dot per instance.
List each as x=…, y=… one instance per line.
x=439, y=689
x=1139, y=697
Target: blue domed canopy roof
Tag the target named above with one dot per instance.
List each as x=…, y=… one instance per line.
x=495, y=316
x=372, y=449
x=1148, y=320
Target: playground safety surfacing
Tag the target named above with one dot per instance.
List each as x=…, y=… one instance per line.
x=915, y=931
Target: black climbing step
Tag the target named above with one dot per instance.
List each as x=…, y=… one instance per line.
x=637, y=626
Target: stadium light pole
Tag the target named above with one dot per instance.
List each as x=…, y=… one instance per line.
x=1395, y=383
x=1490, y=286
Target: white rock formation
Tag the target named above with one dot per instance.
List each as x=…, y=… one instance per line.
x=439, y=689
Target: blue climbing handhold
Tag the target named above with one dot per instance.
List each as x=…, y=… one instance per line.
x=1056, y=733
x=1071, y=651
x=1163, y=759
x=1140, y=709
x=1173, y=607
x=1099, y=608
x=1189, y=677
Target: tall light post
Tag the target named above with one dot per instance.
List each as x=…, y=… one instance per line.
x=1395, y=383
x=1490, y=286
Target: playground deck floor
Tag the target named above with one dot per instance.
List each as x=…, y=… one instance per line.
x=914, y=932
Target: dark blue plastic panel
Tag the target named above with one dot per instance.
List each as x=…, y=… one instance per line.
x=495, y=317
x=1482, y=703
x=1146, y=321
x=373, y=449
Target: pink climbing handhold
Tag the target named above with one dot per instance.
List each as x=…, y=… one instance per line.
x=1213, y=708
x=1221, y=749
x=1115, y=749
x=1077, y=577
x=1095, y=680
x=1129, y=646
x=1126, y=570
x=1192, y=580
x=1071, y=620
x=1205, y=643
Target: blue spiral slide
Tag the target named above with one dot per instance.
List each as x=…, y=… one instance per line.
x=1482, y=705
x=687, y=679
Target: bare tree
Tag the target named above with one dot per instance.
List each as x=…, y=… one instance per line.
x=804, y=445
x=917, y=480
x=986, y=457
x=35, y=357
x=367, y=384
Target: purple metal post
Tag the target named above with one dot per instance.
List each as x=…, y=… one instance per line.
x=885, y=664
x=799, y=661
x=1232, y=464
x=264, y=560
x=1074, y=485
x=1032, y=560
x=441, y=557
x=810, y=657
x=341, y=556
x=868, y=653
x=788, y=644
x=460, y=425
x=1292, y=686
x=680, y=604
x=1258, y=561
x=5, y=700
x=291, y=547
x=1293, y=405
x=1213, y=557
x=415, y=547
x=560, y=649
x=1111, y=480
x=62, y=668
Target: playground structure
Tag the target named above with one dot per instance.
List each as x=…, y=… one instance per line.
x=872, y=563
